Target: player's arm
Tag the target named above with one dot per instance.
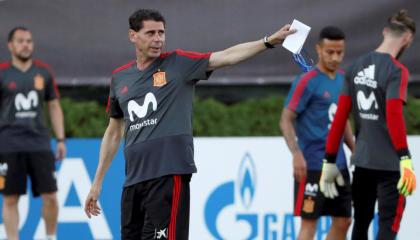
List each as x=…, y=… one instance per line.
x=57, y=122
x=397, y=131
x=54, y=109
x=396, y=126
x=348, y=137
x=396, y=95
x=330, y=173
x=337, y=128
x=286, y=124
x=244, y=51
x=109, y=147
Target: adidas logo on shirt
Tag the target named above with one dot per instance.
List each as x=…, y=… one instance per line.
x=366, y=77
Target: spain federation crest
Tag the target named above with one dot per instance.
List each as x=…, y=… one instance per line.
x=159, y=79
x=39, y=82
x=2, y=182
x=308, y=205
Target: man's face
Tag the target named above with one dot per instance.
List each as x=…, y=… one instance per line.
x=149, y=40
x=21, y=46
x=330, y=53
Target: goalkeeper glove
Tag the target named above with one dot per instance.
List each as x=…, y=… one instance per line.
x=330, y=174
x=407, y=183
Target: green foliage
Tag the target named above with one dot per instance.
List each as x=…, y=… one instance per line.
x=254, y=117
x=84, y=119
x=248, y=118
x=412, y=116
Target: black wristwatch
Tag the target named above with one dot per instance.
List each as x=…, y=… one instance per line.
x=267, y=44
x=60, y=140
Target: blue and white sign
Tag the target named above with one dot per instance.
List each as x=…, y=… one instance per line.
x=243, y=190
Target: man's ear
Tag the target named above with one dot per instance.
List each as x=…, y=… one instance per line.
x=318, y=49
x=132, y=35
x=407, y=37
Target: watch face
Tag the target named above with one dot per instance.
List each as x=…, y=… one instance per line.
x=266, y=43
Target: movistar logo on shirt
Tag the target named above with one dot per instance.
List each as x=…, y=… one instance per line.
x=25, y=104
x=140, y=111
x=366, y=77
x=367, y=104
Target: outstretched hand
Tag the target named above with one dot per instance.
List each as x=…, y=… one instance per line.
x=279, y=36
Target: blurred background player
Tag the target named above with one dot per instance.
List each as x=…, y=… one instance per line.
x=151, y=98
x=375, y=89
x=25, y=140
x=308, y=112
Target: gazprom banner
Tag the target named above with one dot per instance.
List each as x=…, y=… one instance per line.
x=243, y=190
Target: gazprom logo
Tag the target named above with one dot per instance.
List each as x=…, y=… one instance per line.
x=247, y=180
x=224, y=197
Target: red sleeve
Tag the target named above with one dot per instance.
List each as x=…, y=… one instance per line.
x=397, y=86
x=337, y=128
x=108, y=104
x=396, y=126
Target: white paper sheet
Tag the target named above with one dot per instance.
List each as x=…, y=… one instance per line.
x=294, y=42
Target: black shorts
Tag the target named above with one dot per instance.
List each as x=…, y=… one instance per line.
x=156, y=209
x=310, y=202
x=15, y=167
x=371, y=186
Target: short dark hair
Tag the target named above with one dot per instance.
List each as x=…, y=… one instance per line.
x=331, y=33
x=136, y=19
x=14, y=30
x=401, y=22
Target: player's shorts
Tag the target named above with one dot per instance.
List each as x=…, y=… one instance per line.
x=156, y=209
x=371, y=186
x=310, y=202
x=16, y=167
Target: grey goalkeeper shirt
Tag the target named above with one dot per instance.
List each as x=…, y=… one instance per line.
x=370, y=82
